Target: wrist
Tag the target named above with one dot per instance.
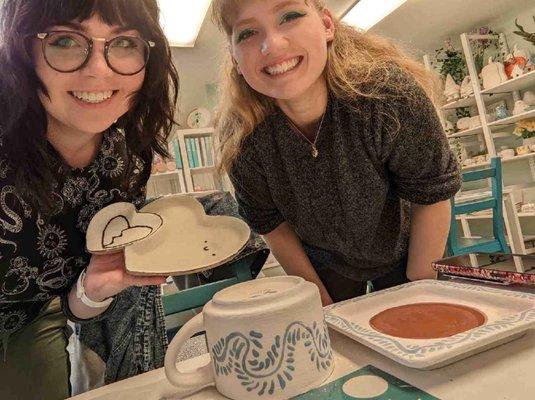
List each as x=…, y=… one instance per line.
x=89, y=297
x=92, y=290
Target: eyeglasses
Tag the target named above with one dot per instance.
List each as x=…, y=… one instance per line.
x=67, y=51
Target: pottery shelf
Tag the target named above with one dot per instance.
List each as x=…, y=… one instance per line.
x=516, y=84
x=466, y=132
x=504, y=160
x=478, y=131
x=470, y=101
x=192, y=178
x=513, y=119
x=461, y=103
x=202, y=169
x=200, y=132
x=166, y=174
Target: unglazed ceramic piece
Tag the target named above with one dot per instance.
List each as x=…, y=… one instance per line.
x=119, y=225
x=427, y=320
x=509, y=314
x=493, y=74
x=267, y=340
x=451, y=89
x=467, y=88
x=188, y=241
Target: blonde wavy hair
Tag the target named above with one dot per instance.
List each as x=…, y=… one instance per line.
x=358, y=64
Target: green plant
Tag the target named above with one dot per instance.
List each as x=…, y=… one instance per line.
x=480, y=45
x=451, y=61
x=457, y=149
x=462, y=112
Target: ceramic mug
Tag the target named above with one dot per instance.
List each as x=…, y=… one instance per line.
x=267, y=339
x=523, y=150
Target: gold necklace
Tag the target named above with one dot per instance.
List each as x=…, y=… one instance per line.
x=315, y=152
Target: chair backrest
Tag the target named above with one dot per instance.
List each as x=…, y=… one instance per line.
x=240, y=270
x=494, y=202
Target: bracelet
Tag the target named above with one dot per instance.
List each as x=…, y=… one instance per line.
x=80, y=294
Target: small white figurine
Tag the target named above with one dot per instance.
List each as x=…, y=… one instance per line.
x=466, y=87
x=463, y=123
x=451, y=90
x=529, y=98
x=520, y=107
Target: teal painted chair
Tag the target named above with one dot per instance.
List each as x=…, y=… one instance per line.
x=458, y=246
x=240, y=270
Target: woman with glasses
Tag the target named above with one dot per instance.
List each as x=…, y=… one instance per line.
x=334, y=147
x=87, y=95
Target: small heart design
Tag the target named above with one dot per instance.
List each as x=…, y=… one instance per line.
x=119, y=225
x=119, y=232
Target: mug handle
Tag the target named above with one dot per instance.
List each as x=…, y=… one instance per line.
x=187, y=382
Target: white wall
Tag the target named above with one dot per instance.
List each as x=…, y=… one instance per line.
x=506, y=24
x=197, y=67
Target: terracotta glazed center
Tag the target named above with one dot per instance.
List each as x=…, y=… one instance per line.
x=427, y=320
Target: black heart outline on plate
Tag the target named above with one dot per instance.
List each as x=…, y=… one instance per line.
x=111, y=245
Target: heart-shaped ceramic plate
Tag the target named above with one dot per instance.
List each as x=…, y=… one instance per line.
x=119, y=225
x=188, y=241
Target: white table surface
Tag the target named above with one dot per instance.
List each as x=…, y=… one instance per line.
x=506, y=372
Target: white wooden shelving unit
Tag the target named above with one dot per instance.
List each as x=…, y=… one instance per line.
x=189, y=179
x=488, y=133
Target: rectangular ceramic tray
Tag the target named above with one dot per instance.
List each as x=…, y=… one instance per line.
x=509, y=315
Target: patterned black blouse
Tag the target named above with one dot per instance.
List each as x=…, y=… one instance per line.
x=41, y=259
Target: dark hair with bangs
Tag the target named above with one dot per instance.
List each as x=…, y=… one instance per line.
x=23, y=121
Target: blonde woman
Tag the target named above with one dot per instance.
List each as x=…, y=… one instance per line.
x=333, y=145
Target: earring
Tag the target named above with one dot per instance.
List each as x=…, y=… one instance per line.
x=238, y=69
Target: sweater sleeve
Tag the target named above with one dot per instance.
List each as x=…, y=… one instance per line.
x=255, y=203
x=422, y=168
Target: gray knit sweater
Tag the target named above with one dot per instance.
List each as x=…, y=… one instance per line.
x=351, y=205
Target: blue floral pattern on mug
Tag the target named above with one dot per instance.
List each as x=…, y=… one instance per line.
x=263, y=369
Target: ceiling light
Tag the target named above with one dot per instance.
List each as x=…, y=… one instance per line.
x=366, y=13
x=182, y=20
